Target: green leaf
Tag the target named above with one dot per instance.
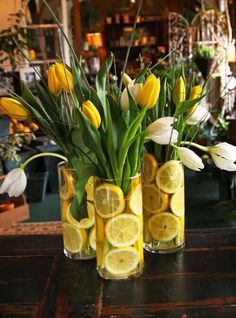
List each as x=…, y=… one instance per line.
x=187, y=104
x=83, y=172
x=128, y=139
x=80, y=94
x=46, y=98
x=125, y=185
x=133, y=108
x=110, y=141
x=142, y=74
x=92, y=139
x=100, y=82
x=162, y=99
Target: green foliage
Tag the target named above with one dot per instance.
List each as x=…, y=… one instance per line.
x=13, y=40
x=204, y=51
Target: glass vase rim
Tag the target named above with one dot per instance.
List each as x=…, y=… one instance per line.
x=118, y=179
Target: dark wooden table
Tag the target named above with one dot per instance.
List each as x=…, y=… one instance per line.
x=36, y=280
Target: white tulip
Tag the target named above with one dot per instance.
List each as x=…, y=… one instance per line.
x=190, y=159
x=126, y=79
x=15, y=183
x=162, y=132
x=133, y=90
x=200, y=114
x=224, y=156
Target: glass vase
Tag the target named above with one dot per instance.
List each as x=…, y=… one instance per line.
x=163, y=205
x=119, y=227
x=78, y=221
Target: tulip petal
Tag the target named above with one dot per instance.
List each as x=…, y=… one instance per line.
x=15, y=182
x=200, y=114
x=190, y=159
x=223, y=163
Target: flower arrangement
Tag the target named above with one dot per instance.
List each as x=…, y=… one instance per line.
x=103, y=129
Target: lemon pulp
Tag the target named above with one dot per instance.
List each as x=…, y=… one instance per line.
x=170, y=176
x=121, y=261
x=109, y=200
x=164, y=226
x=123, y=230
x=74, y=239
x=154, y=200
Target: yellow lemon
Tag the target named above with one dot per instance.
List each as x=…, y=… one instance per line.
x=149, y=167
x=170, y=176
x=135, y=202
x=123, y=230
x=84, y=223
x=154, y=200
x=92, y=238
x=177, y=202
x=139, y=243
x=164, y=226
x=182, y=228
x=74, y=239
x=89, y=188
x=121, y=261
x=100, y=232
x=67, y=190
x=109, y=200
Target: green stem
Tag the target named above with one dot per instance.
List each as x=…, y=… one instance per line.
x=131, y=41
x=43, y=154
x=190, y=143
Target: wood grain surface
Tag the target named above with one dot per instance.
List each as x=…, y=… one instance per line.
x=37, y=280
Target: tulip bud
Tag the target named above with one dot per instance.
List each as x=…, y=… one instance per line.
x=53, y=83
x=64, y=77
x=126, y=79
x=179, y=91
x=134, y=90
x=13, y=108
x=195, y=93
x=149, y=93
x=91, y=112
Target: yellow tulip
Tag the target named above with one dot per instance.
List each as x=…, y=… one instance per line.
x=13, y=108
x=53, y=83
x=91, y=112
x=195, y=93
x=64, y=77
x=179, y=91
x=149, y=92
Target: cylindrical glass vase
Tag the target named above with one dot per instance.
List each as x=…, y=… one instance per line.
x=163, y=205
x=78, y=221
x=119, y=228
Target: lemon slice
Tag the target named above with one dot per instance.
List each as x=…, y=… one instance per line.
x=123, y=230
x=154, y=200
x=135, y=201
x=92, y=238
x=170, y=176
x=177, y=202
x=100, y=232
x=89, y=188
x=67, y=190
x=84, y=223
x=121, y=261
x=164, y=226
x=109, y=200
x=74, y=239
x=149, y=167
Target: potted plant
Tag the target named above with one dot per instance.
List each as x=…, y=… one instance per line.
x=204, y=57
x=13, y=40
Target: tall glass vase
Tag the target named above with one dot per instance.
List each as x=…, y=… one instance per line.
x=163, y=205
x=119, y=227
x=78, y=233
